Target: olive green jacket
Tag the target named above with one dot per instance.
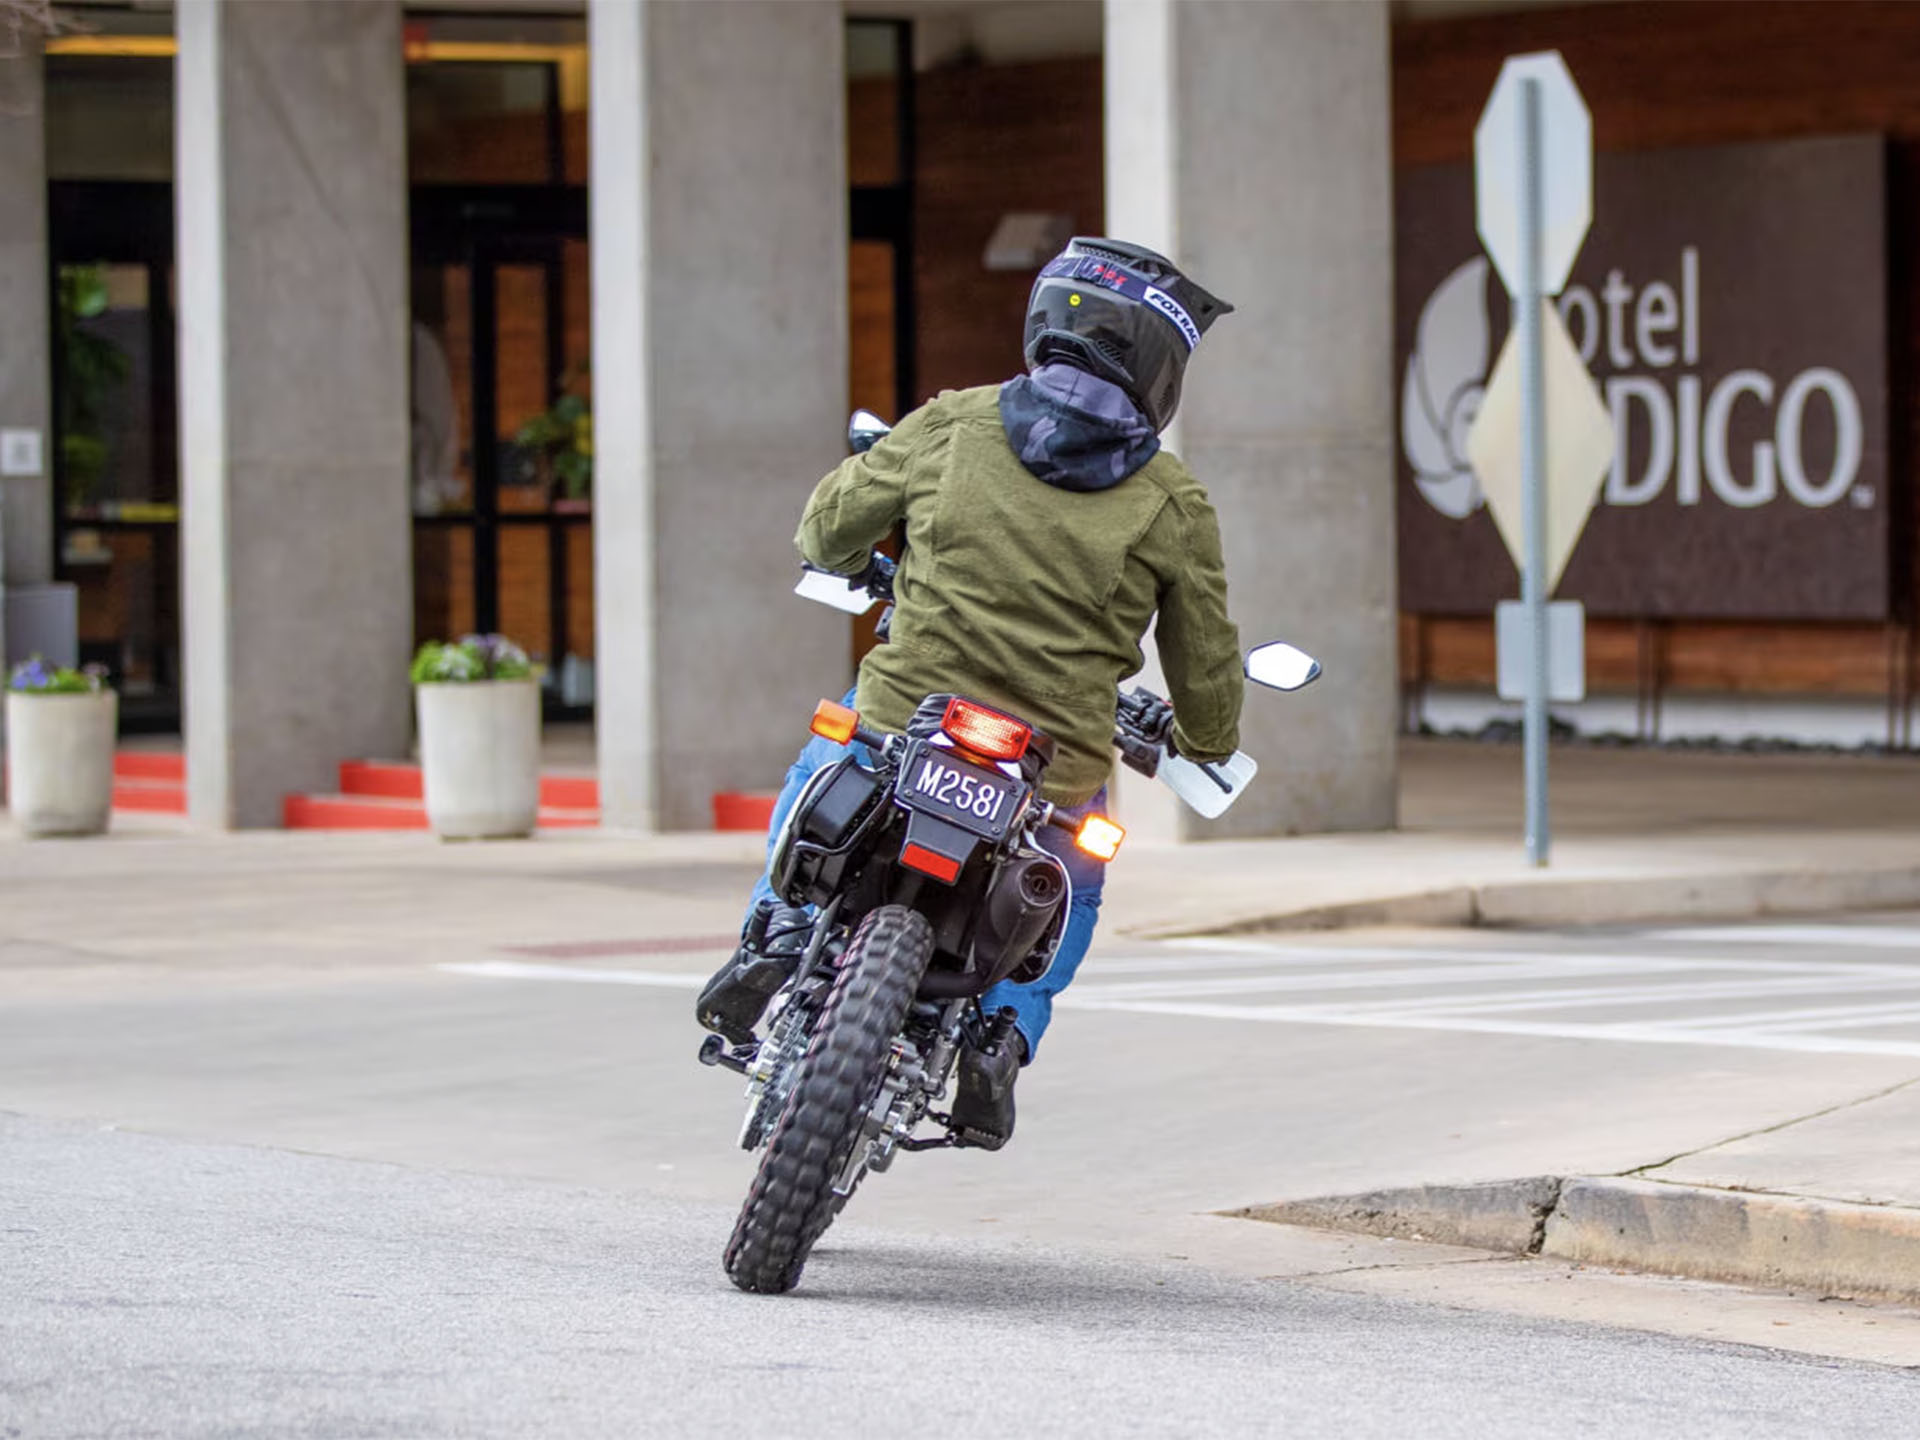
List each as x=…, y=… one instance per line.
x=1030, y=597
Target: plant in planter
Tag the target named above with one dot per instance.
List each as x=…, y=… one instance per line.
x=561, y=439
x=61, y=725
x=479, y=706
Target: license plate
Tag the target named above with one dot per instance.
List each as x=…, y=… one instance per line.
x=974, y=799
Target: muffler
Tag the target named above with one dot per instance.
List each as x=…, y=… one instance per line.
x=1016, y=912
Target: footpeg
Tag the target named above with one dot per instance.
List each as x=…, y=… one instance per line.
x=714, y=1051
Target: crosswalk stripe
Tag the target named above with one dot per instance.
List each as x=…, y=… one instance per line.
x=1652, y=1034
x=1564, y=968
x=1866, y=936
x=1604, y=995
x=573, y=974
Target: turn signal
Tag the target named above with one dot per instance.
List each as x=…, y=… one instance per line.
x=1099, y=837
x=835, y=722
x=987, y=733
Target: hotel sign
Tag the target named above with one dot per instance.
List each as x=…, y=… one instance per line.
x=1731, y=304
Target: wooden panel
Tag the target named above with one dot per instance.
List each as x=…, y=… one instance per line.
x=442, y=582
x=484, y=150
x=526, y=609
x=993, y=138
x=873, y=131
x=871, y=378
x=1658, y=74
x=580, y=589
x=1740, y=659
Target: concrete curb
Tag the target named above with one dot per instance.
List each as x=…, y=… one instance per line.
x=1778, y=1241
x=1830, y=1247
x=1501, y=1215
x=1612, y=900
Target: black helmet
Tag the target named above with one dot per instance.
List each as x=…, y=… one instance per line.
x=1123, y=313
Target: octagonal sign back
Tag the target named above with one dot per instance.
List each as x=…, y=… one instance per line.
x=1566, y=170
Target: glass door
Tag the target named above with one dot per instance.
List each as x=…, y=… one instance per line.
x=115, y=452
x=502, y=441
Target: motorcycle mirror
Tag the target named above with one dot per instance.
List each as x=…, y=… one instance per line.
x=865, y=430
x=1281, y=666
x=841, y=592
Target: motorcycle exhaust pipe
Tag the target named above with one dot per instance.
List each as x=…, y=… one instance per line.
x=1023, y=901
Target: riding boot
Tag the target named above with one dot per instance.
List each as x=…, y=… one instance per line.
x=983, y=1097
x=775, y=939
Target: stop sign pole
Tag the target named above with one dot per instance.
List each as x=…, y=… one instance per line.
x=1533, y=164
x=1533, y=460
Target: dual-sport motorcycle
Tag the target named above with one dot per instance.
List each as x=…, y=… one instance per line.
x=919, y=856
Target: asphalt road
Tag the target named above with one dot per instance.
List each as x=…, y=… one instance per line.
x=161, y=1287
x=516, y=1184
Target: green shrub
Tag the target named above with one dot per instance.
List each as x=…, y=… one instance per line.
x=36, y=677
x=471, y=657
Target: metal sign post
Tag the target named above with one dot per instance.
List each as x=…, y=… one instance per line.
x=1533, y=178
x=1533, y=462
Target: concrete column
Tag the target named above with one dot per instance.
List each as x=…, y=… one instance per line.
x=1251, y=143
x=720, y=380
x=26, y=500
x=296, y=562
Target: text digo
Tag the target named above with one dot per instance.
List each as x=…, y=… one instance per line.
x=1676, y=431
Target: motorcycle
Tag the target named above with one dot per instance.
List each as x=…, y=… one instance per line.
x=918, y=854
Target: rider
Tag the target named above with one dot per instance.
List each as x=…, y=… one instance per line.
x=1045, y=527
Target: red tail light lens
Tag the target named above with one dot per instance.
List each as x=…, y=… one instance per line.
x=987, y=733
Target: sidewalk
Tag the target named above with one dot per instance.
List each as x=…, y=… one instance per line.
x=1638, y=835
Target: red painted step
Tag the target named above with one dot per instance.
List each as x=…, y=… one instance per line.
x=351, y=812
x=378, y=812
x=384, y=779
x=151, y=781
x=735, y=811
x=150, y=765
x=398, y=780
x=153, y=797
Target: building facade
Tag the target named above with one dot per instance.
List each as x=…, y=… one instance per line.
x=331, y=328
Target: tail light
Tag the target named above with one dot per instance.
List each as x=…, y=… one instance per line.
x=987, y=733
x=1099, y=837
x=834, y=722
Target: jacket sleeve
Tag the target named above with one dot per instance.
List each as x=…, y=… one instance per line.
x=860, y=502
x=1199, y=645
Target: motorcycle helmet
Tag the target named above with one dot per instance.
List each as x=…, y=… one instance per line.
x=1123, y=313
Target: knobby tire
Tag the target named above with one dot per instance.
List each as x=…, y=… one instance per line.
x=791, y=1202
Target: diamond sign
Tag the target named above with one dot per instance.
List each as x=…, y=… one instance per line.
x=1579, y=444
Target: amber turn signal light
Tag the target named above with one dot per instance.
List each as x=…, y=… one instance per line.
x=835, y=722
x=1099, y=837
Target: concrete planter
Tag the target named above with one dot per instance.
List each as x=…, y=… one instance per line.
x=60, y=761
x=480, y=757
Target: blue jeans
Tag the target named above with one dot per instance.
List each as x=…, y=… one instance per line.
x=1032, y=1004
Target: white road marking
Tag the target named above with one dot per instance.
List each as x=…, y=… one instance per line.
x=1561, y=967
x=1603, y=995
x=1673, y=1034
x=1459, y=988
x=1428, y=988
x=573, y=974
x=1875, y=936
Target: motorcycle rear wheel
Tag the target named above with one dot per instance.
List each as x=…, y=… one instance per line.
x=791, y=1202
